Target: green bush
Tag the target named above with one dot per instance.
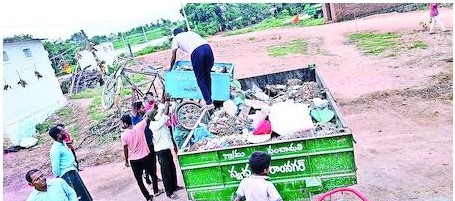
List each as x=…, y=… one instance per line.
x=44, y=127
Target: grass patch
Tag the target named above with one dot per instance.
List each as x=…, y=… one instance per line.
x=371, y=43
x=138, y=78
x=265, y=24
x=152, y=49
x=88, y=93
x=272, y=23
x=125, y=92
x=311, y=22
x=294, y=47
x=418, y=44
x=138, y=38
x=65, y=111
x=41, y=138
x=44, y=127
x=95, y=111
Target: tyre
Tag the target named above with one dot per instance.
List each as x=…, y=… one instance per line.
x=109, y=92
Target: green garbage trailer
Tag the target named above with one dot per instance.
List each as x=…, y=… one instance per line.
x=300, y=168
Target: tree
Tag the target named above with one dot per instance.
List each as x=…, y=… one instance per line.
x=77, y=38
x=18, y=38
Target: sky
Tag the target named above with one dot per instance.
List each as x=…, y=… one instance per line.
x=52, y=19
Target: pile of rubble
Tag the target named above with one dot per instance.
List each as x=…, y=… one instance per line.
x=294, y=110
x=88, y=80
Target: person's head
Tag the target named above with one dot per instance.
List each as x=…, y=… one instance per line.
x=138, y=107
x=177, y=31
x=126, y=121
x=36, y=179
x=149, y=96
x=260, y=163
x=57, y=133
x=62, y=127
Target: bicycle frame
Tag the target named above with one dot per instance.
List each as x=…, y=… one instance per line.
x=121, y=73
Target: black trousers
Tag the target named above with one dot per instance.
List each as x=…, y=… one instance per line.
x=75, y=181
x=202, y=60
x=138, y=166
x=152, y=172
x=168, y=171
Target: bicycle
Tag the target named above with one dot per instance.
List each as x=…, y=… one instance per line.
x=188, y=112
x=112, y=87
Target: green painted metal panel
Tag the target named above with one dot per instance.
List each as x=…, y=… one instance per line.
x=198, y=158
x=336, y=182
x=330, y=143
x=294, y=190
x=200, y=177
x=214, y=195
x=281, y=168
x=336, y=163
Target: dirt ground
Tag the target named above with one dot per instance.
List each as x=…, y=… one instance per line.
x=398, y=107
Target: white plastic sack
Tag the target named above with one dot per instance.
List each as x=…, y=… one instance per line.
x=28, y=142
x=288, y=118
x=230, y=107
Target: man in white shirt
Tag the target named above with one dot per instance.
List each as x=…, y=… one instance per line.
x=201, y=59
x=163, y=142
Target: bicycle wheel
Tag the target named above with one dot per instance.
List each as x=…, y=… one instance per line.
x=109, y=92
x=188, y=113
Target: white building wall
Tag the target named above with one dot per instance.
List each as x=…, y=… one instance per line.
x=24, y=107
x=105, y=53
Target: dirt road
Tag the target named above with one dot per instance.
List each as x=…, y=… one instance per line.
x=399, y=108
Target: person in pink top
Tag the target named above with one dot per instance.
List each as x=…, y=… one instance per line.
x=150, y=102
x=136, y=152
x=434, y=14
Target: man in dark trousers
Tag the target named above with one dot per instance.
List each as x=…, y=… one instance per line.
x=137, y=112
x=201, y=59
x=64, y=164
x=163, y=142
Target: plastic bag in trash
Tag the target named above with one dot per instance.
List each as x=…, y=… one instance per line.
x=322, y=115
x=180, y=134
x=201, y=133
x=288, y=118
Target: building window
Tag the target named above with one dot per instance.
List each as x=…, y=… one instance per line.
x=27, y=52
x=5, y=56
